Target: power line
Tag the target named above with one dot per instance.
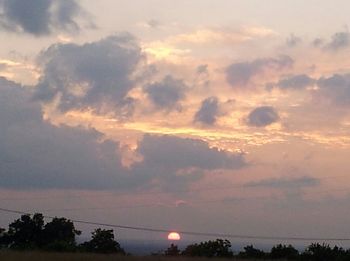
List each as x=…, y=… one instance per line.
x=191, y=233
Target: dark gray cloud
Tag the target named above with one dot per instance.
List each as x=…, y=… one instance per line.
x=208, y=112
x=298, y=182
x=240, y=74
x=335, y=88
x=173, y=160
x=166, y=94
x=95, y=75
x=293, y=41
x=340, y=40
x=300, y=81
x=181, y=153
x=36, y=154
x=262, y=116
x=39, y=17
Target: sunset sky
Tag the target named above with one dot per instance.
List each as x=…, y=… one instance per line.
x=218, y=116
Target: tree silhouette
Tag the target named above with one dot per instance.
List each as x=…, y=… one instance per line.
x=26, y=232
x=2, y=237
x=217, y=248
x=59, y=235
x=251, y=252
x=173, y=250
x=323, y=252
x=103, y=242
x=283, y=252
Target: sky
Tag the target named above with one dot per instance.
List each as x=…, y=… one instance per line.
x=209, y=116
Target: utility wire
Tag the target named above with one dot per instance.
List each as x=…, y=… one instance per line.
x=191, y=233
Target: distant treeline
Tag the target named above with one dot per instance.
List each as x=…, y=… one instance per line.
x=29, y=233
x=222, y=248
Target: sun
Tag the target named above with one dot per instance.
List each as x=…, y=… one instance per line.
x=174, y=236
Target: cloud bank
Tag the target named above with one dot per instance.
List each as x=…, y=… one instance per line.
x=37, y=154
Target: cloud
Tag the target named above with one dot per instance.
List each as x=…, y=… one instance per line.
x=293, y=41
x=285, y=182
x=202, y=69
x=40, y=17
x=335, y=88
x=240, y=74
x=262, y=116
x=95, y=75
x=221, y=35
x=317, y=42
x=179, y=161
x=167, y=94
x=36, y=154
x=3, y=66
x=340, y=40
x=153, y=23
x=180, y=153
x=300, y=81
x=208, y=112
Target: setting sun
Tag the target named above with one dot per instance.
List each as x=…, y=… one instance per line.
x=174, y=236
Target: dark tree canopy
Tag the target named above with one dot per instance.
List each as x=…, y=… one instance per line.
x=29, y=233
x=26, y=232
x=103, y=241
x=283, y=252
x=323, y=252
x=59, y=234
x=217, y=248
x=251, y=252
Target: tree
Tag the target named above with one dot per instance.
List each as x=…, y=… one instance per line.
x=217, y=248
x=103, y=242
x=3, y=236
x=173, y=250
x=26, y=232
x=318, y=252
x=251, y=252
x=59, y=235
x=284, y=252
